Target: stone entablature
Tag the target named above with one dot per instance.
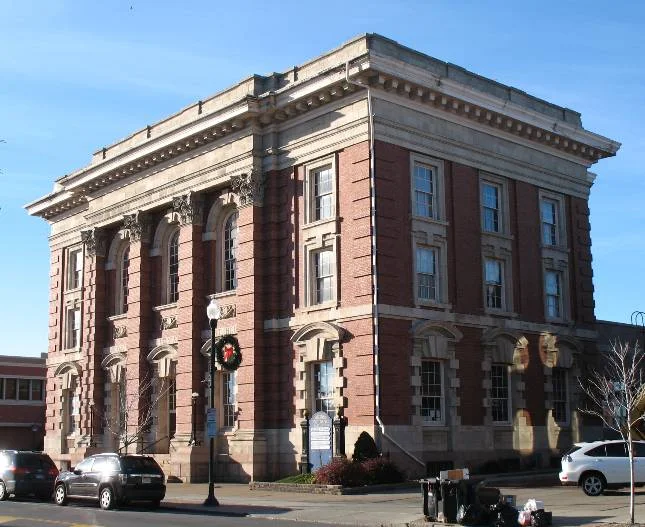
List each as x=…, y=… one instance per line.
x=373, y=61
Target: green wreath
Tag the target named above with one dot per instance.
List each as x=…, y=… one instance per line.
x=228, y=352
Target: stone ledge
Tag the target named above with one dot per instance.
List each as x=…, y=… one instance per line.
x=338, y=490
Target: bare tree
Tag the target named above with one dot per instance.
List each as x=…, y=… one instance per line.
x=614, y=391
x=134, y=413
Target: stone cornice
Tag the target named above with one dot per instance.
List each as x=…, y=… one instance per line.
x=274, y=108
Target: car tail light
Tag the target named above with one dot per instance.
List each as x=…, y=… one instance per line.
x=19, y=471
x=53, y=472
x=565, y=477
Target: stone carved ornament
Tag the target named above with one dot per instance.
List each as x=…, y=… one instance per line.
x=137, y=226
x=168, y=322
x=188, y=207
x=228, y=311
x=120, y=332
x=249, y=186
x=94, y=242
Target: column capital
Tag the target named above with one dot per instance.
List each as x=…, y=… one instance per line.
x=94, y=241
x=138, y=227
x=249, y=186
x=189, y=208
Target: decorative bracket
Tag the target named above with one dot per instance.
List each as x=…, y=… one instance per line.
x=137, y=226
x=249, y=186
x=189, y=208
x=94, y=241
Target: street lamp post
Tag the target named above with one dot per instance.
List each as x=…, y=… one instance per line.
x=193, y=435
x=213, y=312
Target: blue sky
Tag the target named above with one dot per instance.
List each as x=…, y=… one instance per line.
x=76, y=76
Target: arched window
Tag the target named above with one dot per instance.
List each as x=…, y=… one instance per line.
x=173, y=268
x=123, y=277
x=230, y=252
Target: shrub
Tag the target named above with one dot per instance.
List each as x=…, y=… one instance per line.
x=298, y=478
x=365, y=448
x=381, y=470
x=340, y=471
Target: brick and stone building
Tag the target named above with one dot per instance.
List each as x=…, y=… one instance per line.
x=389, y=236
x=22, y=402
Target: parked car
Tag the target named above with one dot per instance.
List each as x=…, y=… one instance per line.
x=600, y=465
x=25, y=473
x=112, y=479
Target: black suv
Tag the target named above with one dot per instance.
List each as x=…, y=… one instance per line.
x=112, y=479
x=25, y=473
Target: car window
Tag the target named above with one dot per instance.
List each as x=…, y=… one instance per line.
x=5, y=460
x=139, y=463
x=99, y=464
x=28, y=461
x=616, y=450
x=85, y=465
x=112, y=464
x=599, y=451
x=571, y=450
x=639, y=449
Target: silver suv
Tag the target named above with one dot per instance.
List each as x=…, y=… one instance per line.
x=600, y=465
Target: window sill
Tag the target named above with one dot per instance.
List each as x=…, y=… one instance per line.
x=557, y=248
x=439, y=427
x=163, y=307
x=501, y=426
x=120, y=316
x=68, y=351
x=431, y=303
x=562, y=321
x=500, y=312
x=318, y=223
x=321, y=307
x=74, y=290
x=435, y=221
x=222, y=294
x=500, y=235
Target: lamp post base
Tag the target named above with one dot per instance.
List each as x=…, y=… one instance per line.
x=211, y=501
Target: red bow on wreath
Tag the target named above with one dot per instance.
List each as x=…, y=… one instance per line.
x=229, y=350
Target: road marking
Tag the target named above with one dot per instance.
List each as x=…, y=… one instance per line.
x=6, y=519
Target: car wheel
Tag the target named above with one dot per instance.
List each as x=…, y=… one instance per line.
x=106, y=498
x=60, y=495
x=592, y=484
x=3, y=491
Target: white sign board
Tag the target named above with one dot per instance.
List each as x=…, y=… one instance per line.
x=211, y=422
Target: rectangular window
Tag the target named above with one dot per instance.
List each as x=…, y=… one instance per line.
x=323, y=193
x=1, y=388
x=490, y=207
x=36, y=390
x=494, y=284
x=426, y=274
x=324, y=276
x=549, y=215
x=431, y=392
x=23, y=389
x=75, y=269
x=324, y=388
x=560, y=401
x=499, y=399
x=10, y=389
x=73, y=328
x=228, y=399
x=424, y=191
x=553, y=288
x=172, y=408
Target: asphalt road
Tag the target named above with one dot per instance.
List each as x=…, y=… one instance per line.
x=27, y=513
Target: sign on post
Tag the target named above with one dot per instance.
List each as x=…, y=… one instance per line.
x=319, y=440
x=211, y=423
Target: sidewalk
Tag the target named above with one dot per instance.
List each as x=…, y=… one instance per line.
x=391, y=508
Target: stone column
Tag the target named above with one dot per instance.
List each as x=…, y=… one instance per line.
x=249, y=445
x=191, y=310
x=139, y=317
x=94, y=331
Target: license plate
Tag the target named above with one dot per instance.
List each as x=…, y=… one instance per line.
x=145, y=480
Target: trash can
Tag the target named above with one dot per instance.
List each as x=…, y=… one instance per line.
x=431, y=497
x=449, y=500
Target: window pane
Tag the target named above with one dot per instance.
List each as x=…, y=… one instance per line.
x=324, y=388
x=490, y=201
x=431, y=392
x=173, y=268
x=1, y=388
x=553, y=294
x=560, y=402
x=499, y=393
x=548, y=211
x=230, y=252
x=424, y=191
x=228, y=399
x=426, y=274
x=324, y=273
x=323, y=193
x=10, y=389
x=23, y=389
x=36, y=390
x=493, y=272
x=125, y=278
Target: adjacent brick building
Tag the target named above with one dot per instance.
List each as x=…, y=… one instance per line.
x=22, y=402
x=389, y=236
